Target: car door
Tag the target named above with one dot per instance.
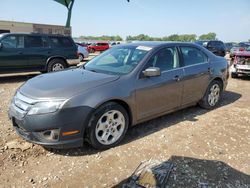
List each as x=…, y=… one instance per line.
x=38, y=51
x=157, y=95
x=196, y=74
x=98, y=46
x=12, y=53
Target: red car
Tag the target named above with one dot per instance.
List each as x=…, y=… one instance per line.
x=99, y=46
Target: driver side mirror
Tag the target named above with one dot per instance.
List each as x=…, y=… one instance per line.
x=1, y=45
x=152, y=72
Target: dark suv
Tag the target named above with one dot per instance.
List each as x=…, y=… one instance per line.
x=36, y=52
x=215, y=46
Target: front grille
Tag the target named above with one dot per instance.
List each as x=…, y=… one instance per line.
x=21, y=105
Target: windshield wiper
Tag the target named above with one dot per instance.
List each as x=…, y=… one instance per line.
x=82, y=66
x=92, y=70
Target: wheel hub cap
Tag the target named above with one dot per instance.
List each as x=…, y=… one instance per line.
x=110, y=127
x=57, y=67
x=214, y=95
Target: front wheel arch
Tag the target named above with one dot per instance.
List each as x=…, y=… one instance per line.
x=123, y=104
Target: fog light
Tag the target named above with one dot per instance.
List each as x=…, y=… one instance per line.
x=51, y=135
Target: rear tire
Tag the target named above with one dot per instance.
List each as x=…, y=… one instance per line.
x=108, y=126
x=212, y=96
x=56, y=65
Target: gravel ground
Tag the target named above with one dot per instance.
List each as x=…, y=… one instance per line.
x=208, y=148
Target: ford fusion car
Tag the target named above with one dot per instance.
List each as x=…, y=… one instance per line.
x=126, y=85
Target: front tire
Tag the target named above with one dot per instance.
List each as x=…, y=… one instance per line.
x=108, y=126
x=92, y=50
x=81, y=57
x=212, y=96
x=234, y=75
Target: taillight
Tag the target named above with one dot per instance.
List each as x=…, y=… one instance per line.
x=242, y=49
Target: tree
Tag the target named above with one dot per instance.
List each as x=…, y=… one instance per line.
x=248, y=40
x=209, y=36
x=69, y=5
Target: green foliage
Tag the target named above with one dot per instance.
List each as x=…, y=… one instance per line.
x=248, y=40
x=64, y=2
x=140, y=37
x=175, y=37
x=69, y=5
x=209, y=36
x=101, y=38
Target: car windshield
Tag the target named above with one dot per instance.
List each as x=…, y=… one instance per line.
x=118, y=61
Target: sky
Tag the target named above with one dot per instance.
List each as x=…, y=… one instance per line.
x=229, y=19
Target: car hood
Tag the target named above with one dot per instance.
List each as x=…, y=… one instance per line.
x=64, y=84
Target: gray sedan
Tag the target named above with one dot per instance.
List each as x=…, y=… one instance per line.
x=122, y=87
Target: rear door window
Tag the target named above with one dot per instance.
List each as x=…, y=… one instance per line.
x=61, y=42
x=35, y=42
x=193, y=56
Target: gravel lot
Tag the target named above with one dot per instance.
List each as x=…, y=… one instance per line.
x=208, y=148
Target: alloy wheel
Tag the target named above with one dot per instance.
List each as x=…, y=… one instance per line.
x=57, y=67
x=214, y=95
x=110, y=127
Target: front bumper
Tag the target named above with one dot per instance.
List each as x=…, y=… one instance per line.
x=240, y=70
x=29, y=127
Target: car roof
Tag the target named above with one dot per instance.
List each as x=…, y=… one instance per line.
x=35, y=34
x=157, y=44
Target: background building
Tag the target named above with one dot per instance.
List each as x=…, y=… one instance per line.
x=13, y=27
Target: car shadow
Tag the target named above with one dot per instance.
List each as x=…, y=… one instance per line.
x=243, y=77
x=192, y=172
x=144, y=129
x=15, y=78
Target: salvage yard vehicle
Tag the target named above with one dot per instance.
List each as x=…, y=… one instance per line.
x=82, y=52
x=242, y=46
x=126, y=85
x=99, y=46
x=241, y=64
x=21, y=52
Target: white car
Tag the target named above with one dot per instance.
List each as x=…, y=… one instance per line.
x=82, y=52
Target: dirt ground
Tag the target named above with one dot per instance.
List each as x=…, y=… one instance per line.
x=208, y=148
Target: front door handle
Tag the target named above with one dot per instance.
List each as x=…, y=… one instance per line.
x=20, y=53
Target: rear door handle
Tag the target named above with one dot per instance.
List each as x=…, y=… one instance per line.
x=20, y=53
x=177, y=78
x=210, y=70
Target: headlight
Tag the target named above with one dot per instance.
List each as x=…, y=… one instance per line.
x=45, y=107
